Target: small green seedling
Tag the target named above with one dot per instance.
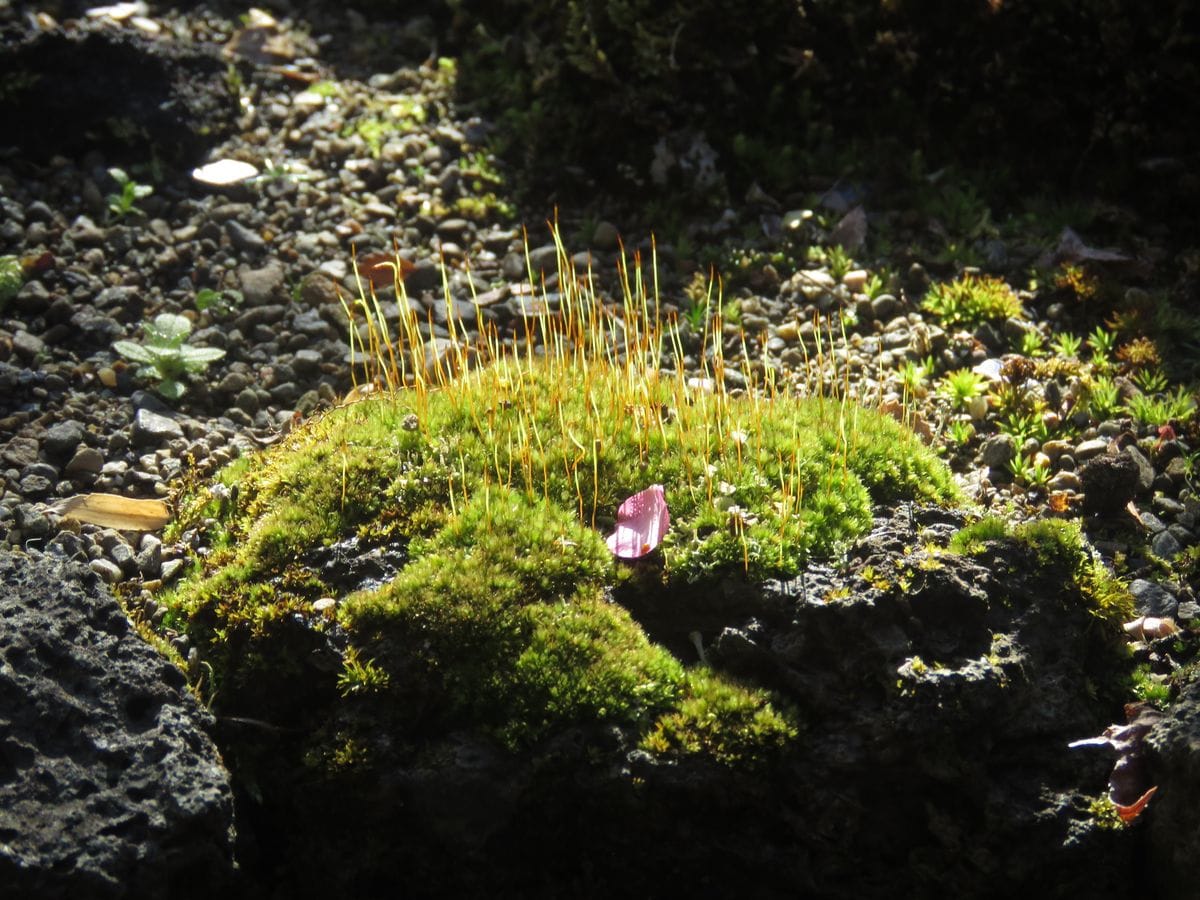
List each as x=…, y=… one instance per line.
x=124, y=202
x=1066, y=345
x=11, y=278
x=220, y=303
x=166, y=355
x=962, y=386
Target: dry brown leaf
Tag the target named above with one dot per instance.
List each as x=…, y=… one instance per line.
x=381, y=269
x=115, y=511
x=1059, y=501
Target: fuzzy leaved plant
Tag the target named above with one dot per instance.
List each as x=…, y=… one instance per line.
x=165, y=355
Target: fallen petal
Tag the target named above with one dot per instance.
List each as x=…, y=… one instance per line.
x=224, y=172
x=642, y=521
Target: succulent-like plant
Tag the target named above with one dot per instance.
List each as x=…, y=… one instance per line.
x=962, y=386
x=971, y=300
x=165, y=354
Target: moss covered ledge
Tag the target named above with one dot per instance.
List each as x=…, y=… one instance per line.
x=487, y=493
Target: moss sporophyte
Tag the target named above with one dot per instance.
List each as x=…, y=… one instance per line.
x=498, y=464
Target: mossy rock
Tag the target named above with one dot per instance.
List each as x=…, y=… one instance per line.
x=493, y=496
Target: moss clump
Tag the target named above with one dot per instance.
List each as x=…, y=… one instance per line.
x=721, y=720
x=1056, y=543
x=493, y=489
x=502, y=624
x=971, y=300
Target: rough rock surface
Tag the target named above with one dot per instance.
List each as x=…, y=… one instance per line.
x=1174, y=747
x=86, y=90
x=109, y=784
x=936, y=697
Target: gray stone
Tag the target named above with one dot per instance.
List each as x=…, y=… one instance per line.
x=884, y=307
x=1184, y=535
x=1152, y=599
x=243, y=238
x=1064, y=481
x=544, y=260
x=20, y=452
x=1166, y=506
x=1144, y=467
x=998, y=451
x=425, y=276
x=1152, y=523
x=153, y=430
x=1165, y=545
x=606, y=236
x=107, y=569
x=109, y=784
x=86, y=461
x=1085, y=450
x=85, y=232
x=262, y=285
x=28, y=346
x=61, y=440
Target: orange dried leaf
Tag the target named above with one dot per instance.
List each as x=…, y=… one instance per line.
x=1134, y=809
x=381, y=269
x=1059, y=501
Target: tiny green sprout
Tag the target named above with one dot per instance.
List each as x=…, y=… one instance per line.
x=1104, y=398
x=1160, y=409
x=165, y=354
x=221, y=303
x=1066, y=344
x=962, y=386
x=1148, y=688
x=961, y=432
x=874, y=286
x=360, y=676
x=1150, y=381
x=325, y=89
x=1104, y=813
x=1029, y=471
x=838, y=261
x=129, y=192
x=971, y=300
x=1032, y=343
x=11, y=278
x=913, y=376
x=731, y=312
x=1102, y=344
x=696, y=315
x=1024, y=425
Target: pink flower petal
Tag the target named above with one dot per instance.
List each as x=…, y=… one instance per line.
x=642, y=521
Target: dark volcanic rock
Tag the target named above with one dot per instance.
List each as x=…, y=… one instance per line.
x=109, y=785
x=138, y=98
x=1109, y=482
x=935, y=697
x=1174, y=747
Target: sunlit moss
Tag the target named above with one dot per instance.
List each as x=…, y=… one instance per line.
x=492, y=478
